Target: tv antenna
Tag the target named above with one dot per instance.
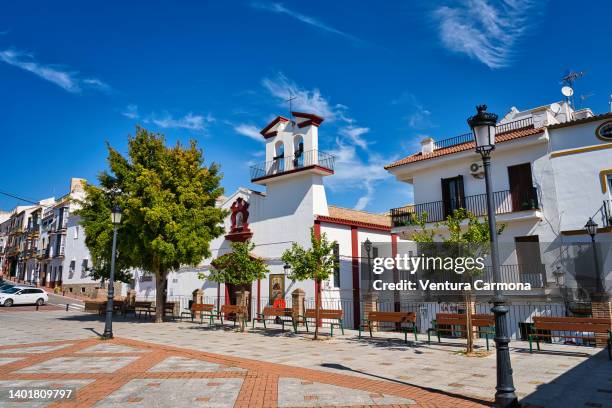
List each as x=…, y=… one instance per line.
x=568, y=81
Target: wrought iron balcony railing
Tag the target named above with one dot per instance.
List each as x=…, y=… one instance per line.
x=534, y=274
x=467, y=137
x=504, y=202
x=282, y=165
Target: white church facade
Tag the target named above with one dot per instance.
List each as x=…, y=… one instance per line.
x=292, y=201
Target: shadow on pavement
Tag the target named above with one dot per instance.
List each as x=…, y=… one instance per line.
x=432, y=390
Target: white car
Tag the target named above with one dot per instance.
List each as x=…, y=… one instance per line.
x=21, y=295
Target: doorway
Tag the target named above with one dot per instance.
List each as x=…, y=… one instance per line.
x=452, y=195
x=529, y=260
x=232, y=289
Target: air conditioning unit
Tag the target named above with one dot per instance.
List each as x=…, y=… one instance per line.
x=476, y=170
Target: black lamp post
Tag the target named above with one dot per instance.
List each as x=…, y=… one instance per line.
x=108, y=326
x=591, y=229
x=368, y=247
x=483, y=129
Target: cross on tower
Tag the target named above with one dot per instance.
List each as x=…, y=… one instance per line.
x=290, y=99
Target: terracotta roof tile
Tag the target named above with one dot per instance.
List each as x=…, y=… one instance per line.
x=500, y=138
x=360, y=217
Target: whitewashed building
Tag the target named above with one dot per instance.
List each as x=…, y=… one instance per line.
x=291, y=202
x=551, y=172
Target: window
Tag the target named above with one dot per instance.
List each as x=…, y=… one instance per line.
x=336, y=282
x=76, y=232
x=84, y=266
x=452, y=195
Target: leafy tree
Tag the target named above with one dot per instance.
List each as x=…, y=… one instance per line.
x=238, y=267
x=167, y=197
x=316, y=263
x=467, y=237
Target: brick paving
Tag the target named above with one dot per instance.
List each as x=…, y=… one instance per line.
x=130, y=373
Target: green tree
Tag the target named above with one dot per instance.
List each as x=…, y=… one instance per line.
x=239, y=267
x=467, y=237
x=167, y=197
x=315, y=263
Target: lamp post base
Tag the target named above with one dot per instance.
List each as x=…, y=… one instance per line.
x=107, y=336
x=505, y=397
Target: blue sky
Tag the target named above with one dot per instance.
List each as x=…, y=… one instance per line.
x=74, y=75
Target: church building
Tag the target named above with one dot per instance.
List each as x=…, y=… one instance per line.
x=292, y=200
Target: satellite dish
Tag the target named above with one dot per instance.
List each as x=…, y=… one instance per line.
x=555, y=108
x=567, y=91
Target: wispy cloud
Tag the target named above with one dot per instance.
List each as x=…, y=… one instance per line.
x=485, y=30
x=418, y=116
x=310, y=101
x=131, y=111
x=279, y=8
x=249, y=130
x=64, y=78
x=188, y=121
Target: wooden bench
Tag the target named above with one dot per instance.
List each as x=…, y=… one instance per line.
x=398, y=318
x=325, y=314
x=570, y=324
x=272, y=313
x=141, y=307
x=484, y=323
x=204, y=309
x=232, y=312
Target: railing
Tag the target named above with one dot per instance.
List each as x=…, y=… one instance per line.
x=606, y=211
x=504, y=202
x=288, y=164
x=534, y=274
x=467, y=137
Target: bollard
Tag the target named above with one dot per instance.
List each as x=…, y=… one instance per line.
x=67, y=304
x=37, y=307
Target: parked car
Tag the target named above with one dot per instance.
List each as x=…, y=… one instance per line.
x=19, y=295
x=5, y=286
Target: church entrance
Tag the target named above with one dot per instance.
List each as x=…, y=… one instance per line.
x=231, y=291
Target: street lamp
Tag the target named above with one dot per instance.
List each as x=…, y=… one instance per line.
x=483, y=129
x=108, y=326
x=591, y=229
x=368, y=247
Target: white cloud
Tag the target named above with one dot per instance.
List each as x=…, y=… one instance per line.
x=355, y=135
x=64, y=78
x=189, y=121
x=131, y=111
x=309, y=101
x=250, y=131
x=281, y=9
x=485, y=30
x=419, y=117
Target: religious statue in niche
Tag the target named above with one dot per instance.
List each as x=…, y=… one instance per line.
x=240, y=216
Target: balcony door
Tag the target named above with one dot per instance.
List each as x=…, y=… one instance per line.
x=521, y=186
x=529, y=260
x=453, y=197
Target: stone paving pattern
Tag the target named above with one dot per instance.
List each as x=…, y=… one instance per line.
x=270, y=362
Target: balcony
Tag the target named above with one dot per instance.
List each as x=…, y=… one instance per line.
x=320, y=162
x=504, y=202
x=499, y=129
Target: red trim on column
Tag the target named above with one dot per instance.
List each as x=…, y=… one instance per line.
x=355, y=264
x=317, y=234
x=396, y=300
x=227, y=296
x=258, y=297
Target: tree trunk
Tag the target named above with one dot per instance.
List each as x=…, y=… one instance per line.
x=317, y=310
x=468, y=325
x=160, y=296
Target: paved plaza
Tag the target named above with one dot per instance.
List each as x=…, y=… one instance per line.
x=178, y=364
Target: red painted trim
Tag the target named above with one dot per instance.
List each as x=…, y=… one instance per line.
x=355, y=265
x=258, y=296
x=352, y=223
x=317, y=234
x=227, y=296
x=315, y=166
x=308, y=123
x=313, y=119
x=396, y=300
x=270, y=125
x=270, y=134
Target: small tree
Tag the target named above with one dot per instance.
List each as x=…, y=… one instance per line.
x=471, y=239
x=316, y=263
x=238, y=267
x=168, y=199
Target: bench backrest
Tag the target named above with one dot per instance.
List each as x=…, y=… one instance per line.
x=202, y=307
x=277, y=311
x=232, y=309
x=142, y=304
x=169, y=306
x=582, y=324
x=324, y=314
x=392, y=317
x=456, y=319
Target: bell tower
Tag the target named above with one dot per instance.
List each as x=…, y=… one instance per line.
x=294, y=167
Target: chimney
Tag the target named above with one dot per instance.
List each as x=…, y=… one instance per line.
x=583, y=113
x=427, y=145
x=77, y=184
